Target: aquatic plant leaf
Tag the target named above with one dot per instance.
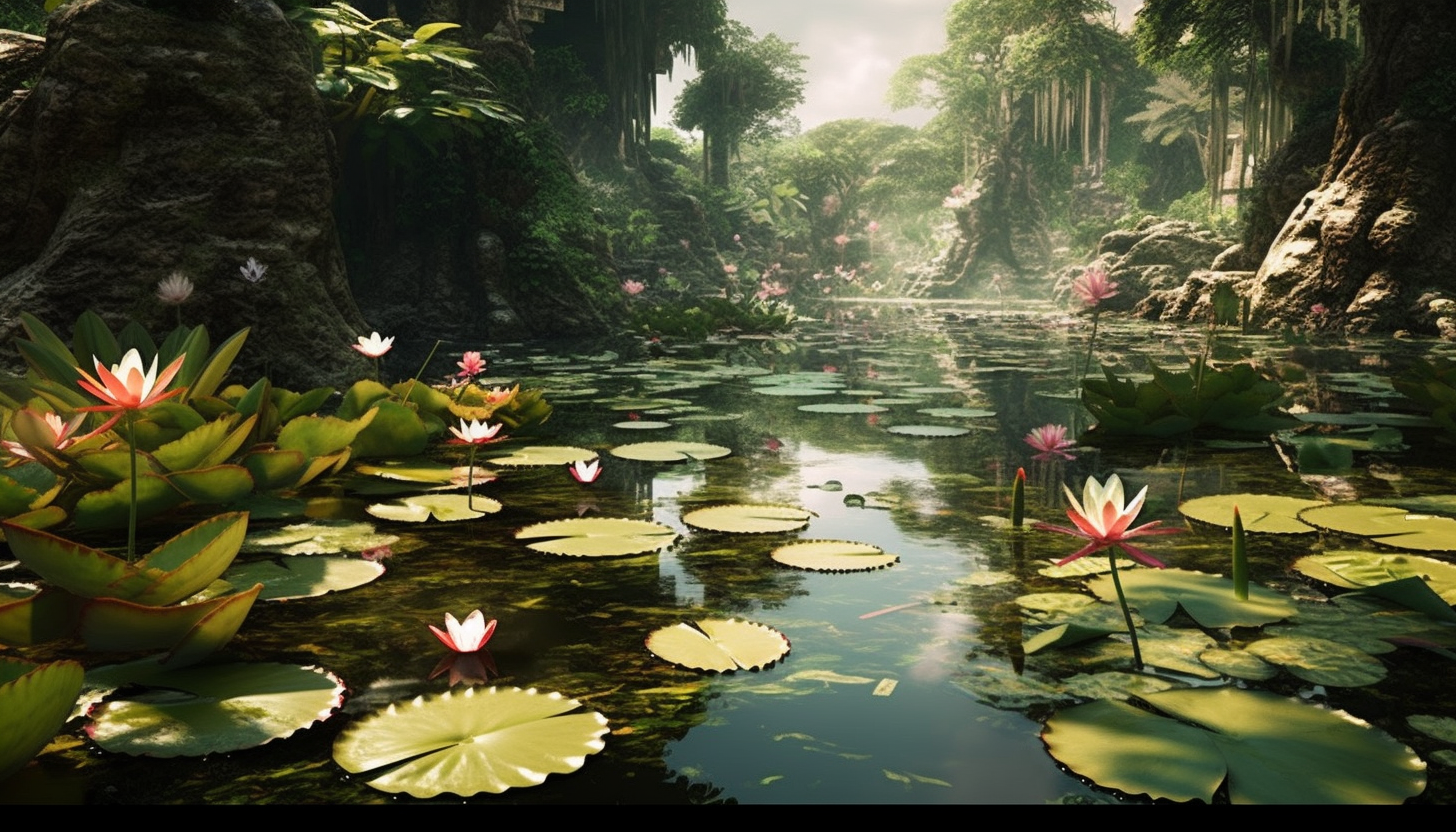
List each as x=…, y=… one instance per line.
x=1441, y=728
x=1209, y=599
x=1320, y=661
x=719, y=645
x=415, y=469
x=195, y=446
x=1270, y=749
x=1261, y=513
x=30, y=615
x=795, y=390
x=833, y=556
x=446, y=508
x=1116, y=685
x=273, y=469
x=928, y=431
x=748, y=519
x=111, y=624
x=110, y=507
x=957, y=412
x=319, y=537
x=35, y=701
x=1240, y=664
x=842, y=407
x=1354, y=569
x=669, y=451
x=641, y=424
x=304, y=576
x=1065, y=635
x=211, y=486
x=394, y=431
x=469, y=741
x=544, y=455
x=214, y=709
x=320, y=436
x=1386, y=525
x=597, y=537
x=1375, y=418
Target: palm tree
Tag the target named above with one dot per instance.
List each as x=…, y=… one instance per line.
x=1179, y=111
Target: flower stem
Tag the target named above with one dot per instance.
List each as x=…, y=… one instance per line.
x=131, y=523
x=411, y=388
x=1091, y=340
x=470, y=480
x=1137, y=656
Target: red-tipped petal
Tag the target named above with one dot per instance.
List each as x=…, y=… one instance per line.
x=1140, y=556
x=1081, y=553
x=444, y=638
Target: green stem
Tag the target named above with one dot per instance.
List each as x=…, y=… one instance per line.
x=411, y=388
x=1137, y=656
x=470, y=480
x=131, y=524
x=1087, y=365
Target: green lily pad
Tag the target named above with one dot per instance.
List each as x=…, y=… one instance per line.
x=957, y=412
x=303, y=576
x=669, y=451
x=1354, y=569
x=833, y=556
x=1433, y=503
x=470, y=741
x=795, y=390
x=842, y=407
x=1049, y=607
x=1209, y=599
x=1320, y=661
x=192, y=629
x=35, y=701
x=1387, y=525
x=748, y=519
x=446, y=508
x=1383, y=418
x=1240, y=664
x=1441, y=728
x=424, y=471
x=215, y=709
x=1065, y=635
x=544, y=455
x=719, y=645
x=597, y=537
x=1261, y=513
x=641, y=424
x=319, y=537
x=30, y=615
x=928, y=431
x=1270, y=750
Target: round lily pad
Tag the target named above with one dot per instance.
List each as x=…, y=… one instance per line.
x=748, y=519
x=214, y=709
x=719, y=645
x=446, y=508
x=842, y=407
x=1209, y=599
x=669, y=451
x=544, y=455
x=794, y=390
x=1320, y=661
x=641, y=424
x=318, y=537
x=928, y=431
x=957, y=412
x=1387, y=525
x=1353, y=569
x=1240, y=664
x=597, y=537
x=1262, y=513
x=470, y=741
x=833, y=556
x=304, y=576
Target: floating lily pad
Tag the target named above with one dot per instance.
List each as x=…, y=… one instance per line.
x=957, y=412
x=318, y=537
x=1261, y=513
x=1209, y=599
x=1387, y=525
x=1433, y=503
x=1353, y=569
x=794, y=390
x=470, y=741
x=446, y=508
x=1269, y=749
x=544, y=455
x=669, y=451
x=928, y=431
x=748, y=519
x=833, y=556
x=641, y=424
x=931, y=391
x=1381, y=418
x=1320, y=661
x=303, y=576
x=1240, y=664
x=35, y=701
x=842, y=407
x=1065, y=635
x=1441, y=728
x=719, y=645
x=597, y=537
x=425, y=471
x=215, y=709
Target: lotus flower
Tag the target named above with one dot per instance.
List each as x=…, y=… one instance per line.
x=498, y=396
x=60, y=430
x=126, y=387
x=1093, y=287
x=471, y=365
x=586, y=471
x=1102, y=518
x=634, y=287
x=465, y=637
x=374, y=346
x=252, y=270
x=1051, y=441
x=174, y=289
x=474, y=432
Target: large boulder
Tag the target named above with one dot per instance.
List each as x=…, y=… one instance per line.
x=168, y=137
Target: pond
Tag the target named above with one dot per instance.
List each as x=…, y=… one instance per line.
x=905, y=684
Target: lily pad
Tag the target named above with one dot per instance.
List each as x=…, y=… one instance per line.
x=719, y=645
x=833, y=556
x=1354, y=569
x=1209, y=599
x=1387, y=525
x=1240, y=664
x=1320, y=661
x=446, y=508
x=957, y=412
x=748, y=519
x=928, y=431
x=35, y=701
x=318, y=537
x=597, y=537
x=1270, y=750
x=215, y=709
x=641, y=424
x=1261, y=513
x=669, y=451
x=842, y=407
x=304, y=576
x=544, y=455
x=470, y=741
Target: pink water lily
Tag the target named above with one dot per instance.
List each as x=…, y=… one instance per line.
x=126, y=386
x=1093, y=287
x=1051, y=441
x=61, y=432
x=474, y=432
x=586, y=471
x=633, y=287
x=1103, y=519
x=471, y=365
x=465, y=637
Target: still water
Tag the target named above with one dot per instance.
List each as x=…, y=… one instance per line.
x=892, y=688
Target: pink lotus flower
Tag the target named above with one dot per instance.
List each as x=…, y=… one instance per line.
x=633, y=287
x=466, y=637
x=471, y=365
x=768, y=290
x=498, y=396
x=59, y=429
x=872, y=227
x=1102, y=518
x=842, y=240
x=126, y=387
x=474, y=432
x=1093, y=287
x=585, y=471
x=1318, y=309
x=1051, y=441
x=373, y=346
x=729, y=268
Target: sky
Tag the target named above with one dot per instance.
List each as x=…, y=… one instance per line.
x=854, y=46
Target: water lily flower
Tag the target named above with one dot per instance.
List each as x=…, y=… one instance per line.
x=585, y=471
x=474, y=432
x=465, y=637
x=252, y=270
x=60, y=430
x=1102, y=518
x=126, y=386
x=730, y=268
x=471, y=365
x=174, y=289
x=1093, y=287
x=842, y=240
x=1051, y=441
x=374, y=346
x=498, y=396
x=633, y=287
x=1318, y=309
x=872, y=227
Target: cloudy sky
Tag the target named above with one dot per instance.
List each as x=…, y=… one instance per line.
x=854, y=46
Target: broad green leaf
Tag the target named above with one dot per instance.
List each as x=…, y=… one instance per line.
x=111, y=624
x=317, y=436
x=273, y=469
x=833, y=556
x=957, y=412
x=111, y=507
x=931, y=431
x=30, y=615
x=218, y=365
x=215, y=709
x=669, y=451
x=1261, y=513
x=1387, y=525
x=1065, y=635
x=851, y=407
x=1320, y=661
x=215, y=485
x=1240, y=664
x=544, y=455
x=719, y=645
x=748, y=519
x=445, y=508
x=1353, y=569
x=188, y=562
x=194, y=446
x=469, y=741
x=35, y=701
x=1209, y=599
x=303, y=576
x=597, y=537
x=319, y=537
x=417, y=469
x=394, y=431
x=1270, y=750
